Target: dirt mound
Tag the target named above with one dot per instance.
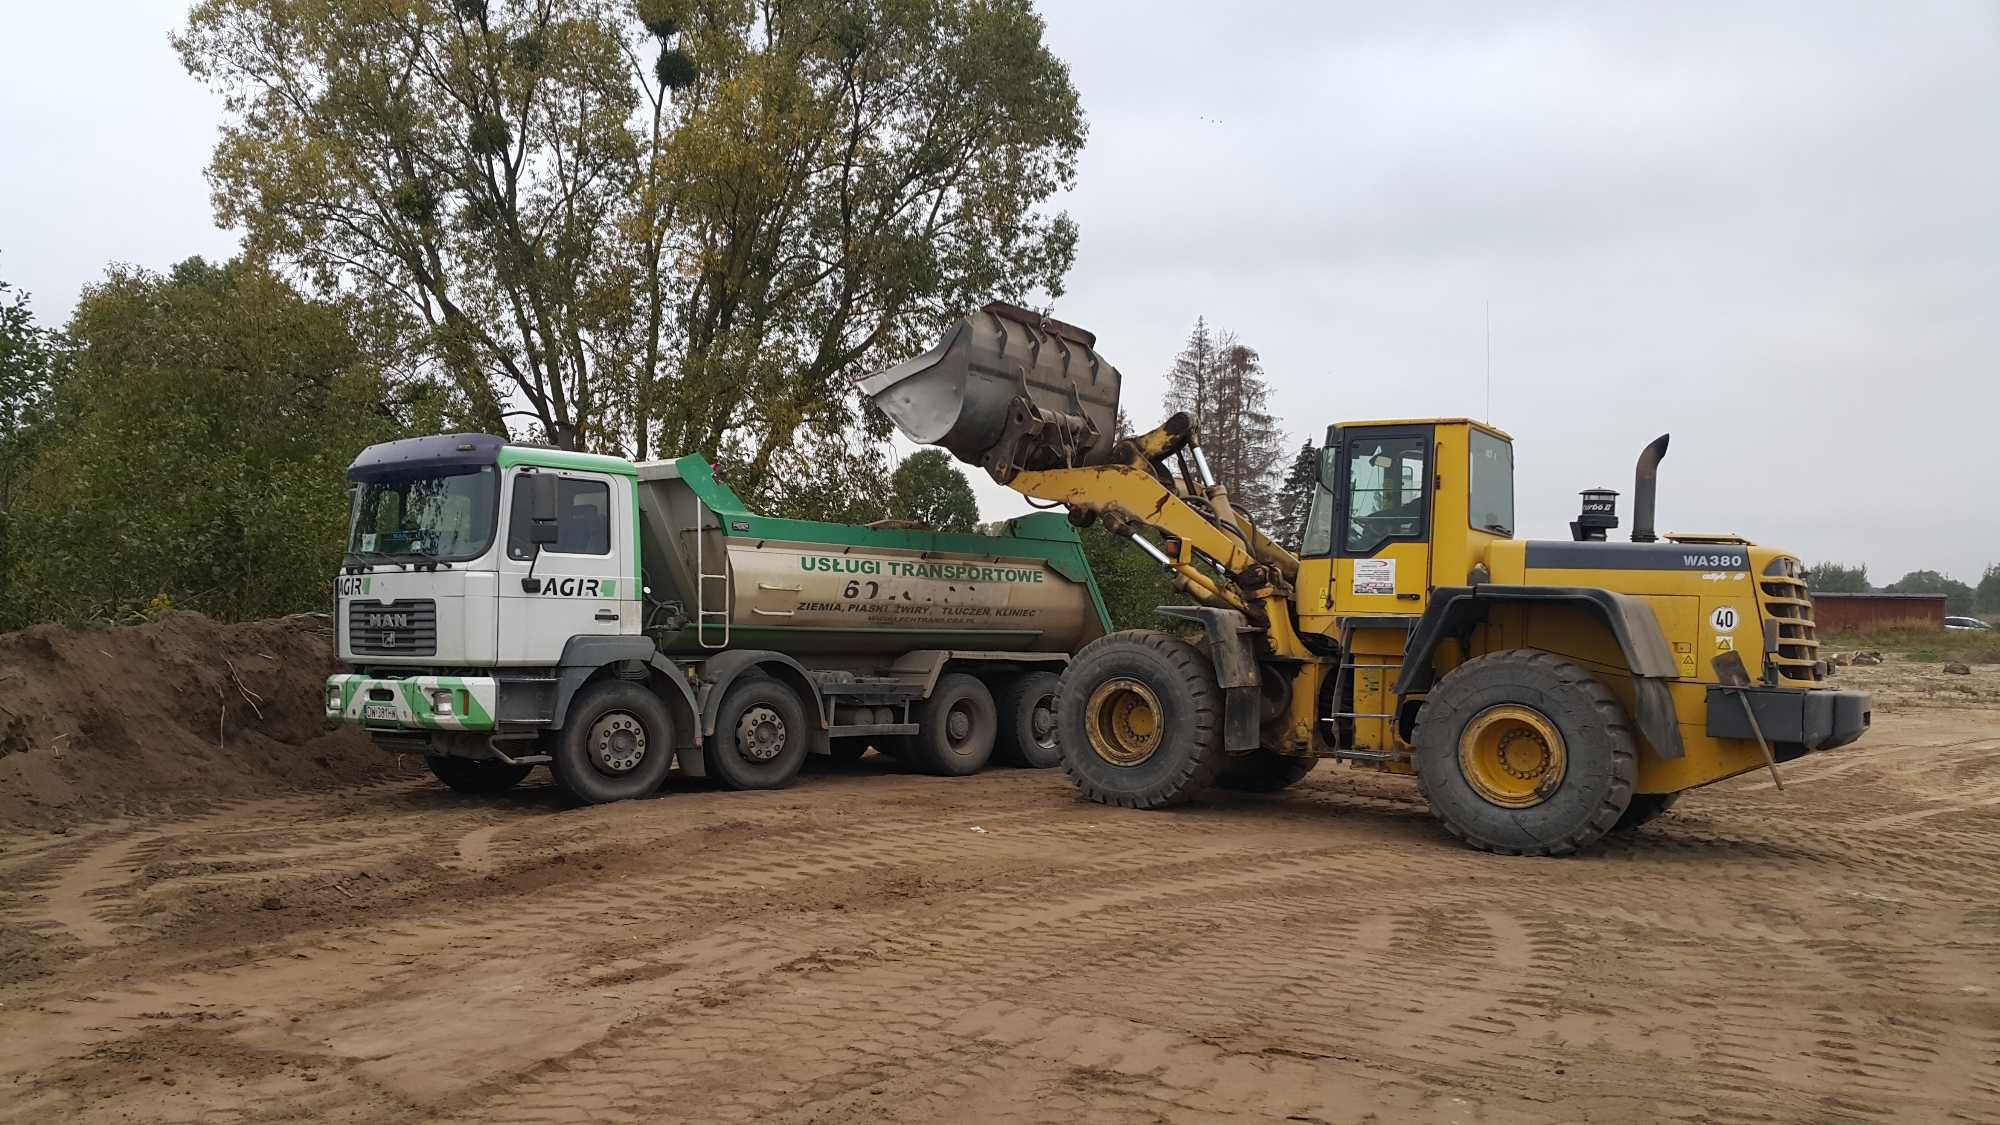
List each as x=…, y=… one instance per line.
x=96, y=722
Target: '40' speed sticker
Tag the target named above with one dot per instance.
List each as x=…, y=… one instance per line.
x=1723, y=619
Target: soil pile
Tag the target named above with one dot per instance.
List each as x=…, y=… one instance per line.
x=96, y=722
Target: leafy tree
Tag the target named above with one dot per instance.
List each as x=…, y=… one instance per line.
x=27, y=363
x=1837, y=578
x=196, y=445
x=1987, y=596
x=1295, y=496
x=1958, y=597
x=929, y=488
x=1133, y=586
x=1219, y=382
x=667, y=225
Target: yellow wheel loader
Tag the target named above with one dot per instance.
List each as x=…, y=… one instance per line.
x=1542, y=693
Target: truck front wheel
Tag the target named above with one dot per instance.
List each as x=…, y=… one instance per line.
x=617, y=742
x=760, y=735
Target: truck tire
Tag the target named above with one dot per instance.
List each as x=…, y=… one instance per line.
x=1525, y=753
x=1644, y=809
x=1139, y=720
x=1262, y=771
x=464, y=775
x=1028, y=721
x=956, y=728
x=761, y=735
x=616, y=743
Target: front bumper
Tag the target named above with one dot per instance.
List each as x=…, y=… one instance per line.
x=1810, y=720
x=419, y=703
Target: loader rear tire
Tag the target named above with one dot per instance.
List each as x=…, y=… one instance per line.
x=1525, y=753
x=1262, y=771
x=1139, y=720
x=1644, y=809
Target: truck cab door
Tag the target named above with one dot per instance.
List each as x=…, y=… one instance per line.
x=1385, y=482
x=573, y=586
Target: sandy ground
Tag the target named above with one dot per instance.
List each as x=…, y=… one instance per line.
x=872, y=946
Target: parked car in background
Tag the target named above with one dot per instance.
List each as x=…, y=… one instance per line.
x=1965, y=623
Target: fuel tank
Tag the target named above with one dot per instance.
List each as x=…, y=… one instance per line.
x=719, y=576
x=1006, y=389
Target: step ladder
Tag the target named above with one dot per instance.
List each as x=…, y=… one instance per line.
x=706, y=620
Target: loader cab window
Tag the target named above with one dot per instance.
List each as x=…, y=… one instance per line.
x=1491, y=506
x=1388, y=489
x=1317, y=538
x=583, y=519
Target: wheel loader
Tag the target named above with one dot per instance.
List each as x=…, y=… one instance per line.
x=1543, y=694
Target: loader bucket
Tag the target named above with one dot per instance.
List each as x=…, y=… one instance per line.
x=1006, y=389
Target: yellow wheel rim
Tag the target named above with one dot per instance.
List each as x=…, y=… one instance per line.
x=1124, y=721
x=1512, y=756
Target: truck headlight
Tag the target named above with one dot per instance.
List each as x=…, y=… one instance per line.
x=333, y=697
x=441, y=702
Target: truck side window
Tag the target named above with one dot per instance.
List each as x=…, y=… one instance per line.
x=583, y=519
x=1386, y=488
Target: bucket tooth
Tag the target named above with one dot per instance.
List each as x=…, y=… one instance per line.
x=1006, y=389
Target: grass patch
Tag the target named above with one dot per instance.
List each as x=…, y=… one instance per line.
x=1928, y=646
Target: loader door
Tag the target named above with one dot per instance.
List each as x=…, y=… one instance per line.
x=1384, y=487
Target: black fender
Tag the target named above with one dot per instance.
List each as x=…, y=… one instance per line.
x=1235, y=659
x=1454, y=610
x=722, y=669
x=584, y=655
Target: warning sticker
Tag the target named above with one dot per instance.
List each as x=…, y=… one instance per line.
x=1374, y=576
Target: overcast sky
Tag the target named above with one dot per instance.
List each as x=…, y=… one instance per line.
x=1773, y=230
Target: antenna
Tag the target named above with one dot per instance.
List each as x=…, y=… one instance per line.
x=1489, y=361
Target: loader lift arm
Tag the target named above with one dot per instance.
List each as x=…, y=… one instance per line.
x=1149, y=484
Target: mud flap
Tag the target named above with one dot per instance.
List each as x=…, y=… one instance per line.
x=1229, y=650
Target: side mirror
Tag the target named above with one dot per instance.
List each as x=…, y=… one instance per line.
x=541, y=509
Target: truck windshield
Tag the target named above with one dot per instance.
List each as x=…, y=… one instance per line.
x=424, y=518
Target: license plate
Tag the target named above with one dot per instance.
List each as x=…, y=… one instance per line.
x=382, y=711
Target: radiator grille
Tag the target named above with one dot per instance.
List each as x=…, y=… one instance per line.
x=406, y=627
x=1782, y=592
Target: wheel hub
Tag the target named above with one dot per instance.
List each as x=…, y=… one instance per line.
x=617, y=742
x=958, y=724
x=1042, y=724
x=1512, y=756
x=760, y=734
x=1124, y=721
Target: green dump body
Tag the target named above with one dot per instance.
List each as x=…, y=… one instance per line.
x=720, y=576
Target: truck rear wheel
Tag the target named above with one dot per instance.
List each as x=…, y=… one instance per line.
x=1525, y=753
x=1028, y=721
x=956, y=727
x=1262, y=771
x=617, y=743
x=761, y=734
x=1139, y=720
x=464, y=775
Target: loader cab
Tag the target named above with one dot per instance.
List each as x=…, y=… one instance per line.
x=1401, y=506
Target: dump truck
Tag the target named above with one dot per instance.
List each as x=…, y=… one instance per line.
x=1542, y=693
x=503, y=606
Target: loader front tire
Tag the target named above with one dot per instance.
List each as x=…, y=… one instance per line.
x=1525, y=753
x=1139, y=720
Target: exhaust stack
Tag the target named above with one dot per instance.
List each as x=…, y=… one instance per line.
x=1008, y=390
x=1645, y=487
